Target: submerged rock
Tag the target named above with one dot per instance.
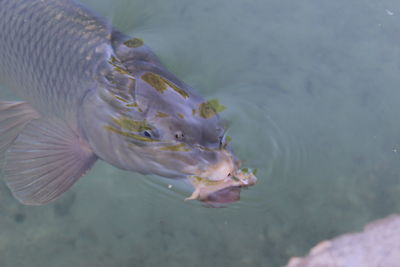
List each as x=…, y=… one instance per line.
x=377, y=245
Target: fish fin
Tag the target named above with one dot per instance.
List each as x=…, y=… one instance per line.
x=195, y=195
x=45, y=160
x=13, y=117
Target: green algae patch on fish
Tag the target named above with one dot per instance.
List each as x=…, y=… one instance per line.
x=121, y=70
x=249, y=171
x=118, y=67
x=202, y=181
x=113, y=60
x=131, y=125
x=161, y=115
x=179, y=147
x=129, y=135
x=210, y=108
x=134, y=43
x=161, y=84
x=228, y=139
x=155, y=81
x=180, y=91
x=132, y=105
x=235, y=178
x=120, y=98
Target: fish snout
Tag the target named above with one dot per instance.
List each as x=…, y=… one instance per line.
x=224, y=167
x=221, y=183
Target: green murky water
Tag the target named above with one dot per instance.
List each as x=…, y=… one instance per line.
x=312, y=90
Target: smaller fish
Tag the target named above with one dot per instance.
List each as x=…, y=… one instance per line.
x=219, y=192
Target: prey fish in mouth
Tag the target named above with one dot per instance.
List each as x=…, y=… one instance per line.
x=222, y=191
x=91, y=92
x=222, y=182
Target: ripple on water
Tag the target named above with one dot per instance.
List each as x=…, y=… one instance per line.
x=261, y=142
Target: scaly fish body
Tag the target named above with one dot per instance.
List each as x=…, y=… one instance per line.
x=50, y=51
x=91, y=92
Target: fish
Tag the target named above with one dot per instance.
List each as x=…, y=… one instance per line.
x=90, y=92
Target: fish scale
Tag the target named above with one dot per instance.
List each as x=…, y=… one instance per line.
x=44, y=52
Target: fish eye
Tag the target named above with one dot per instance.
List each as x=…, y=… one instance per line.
x=222, y=143
x=147, y=133
x=179, y=135
x=152, y=133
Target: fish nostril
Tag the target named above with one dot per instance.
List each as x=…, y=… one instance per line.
x=179, y=135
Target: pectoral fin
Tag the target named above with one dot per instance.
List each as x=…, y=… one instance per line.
x=45, y=160
x=195, y=195
x=13, y=117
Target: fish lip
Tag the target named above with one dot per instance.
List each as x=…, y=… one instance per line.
x=222, y=196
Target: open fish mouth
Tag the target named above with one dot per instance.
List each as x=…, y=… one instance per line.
x=221, y=192
x=223, y=196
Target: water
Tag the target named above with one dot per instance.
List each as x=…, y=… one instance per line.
x=312, y=94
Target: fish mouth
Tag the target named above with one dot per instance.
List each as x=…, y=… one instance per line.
x=223, y=196
x=222, y=192
x=220, y=183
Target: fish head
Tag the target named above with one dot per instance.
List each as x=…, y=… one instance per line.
x=164, y=128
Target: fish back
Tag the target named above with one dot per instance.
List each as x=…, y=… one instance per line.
x=50, y=51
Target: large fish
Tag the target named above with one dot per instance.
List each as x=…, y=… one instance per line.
x=91, y=92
